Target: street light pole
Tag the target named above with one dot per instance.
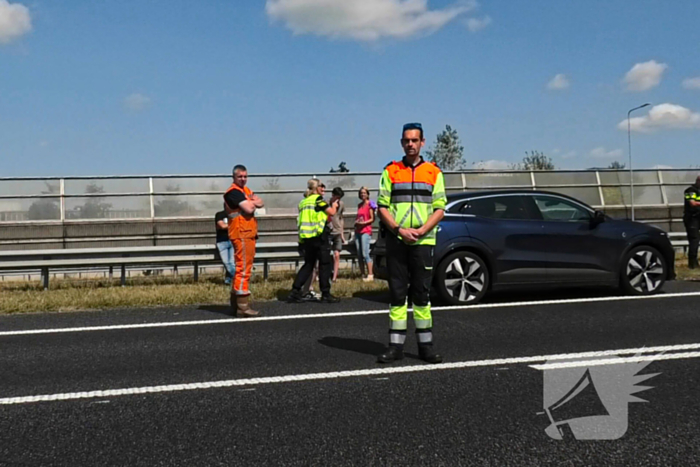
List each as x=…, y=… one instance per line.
x=629, y=143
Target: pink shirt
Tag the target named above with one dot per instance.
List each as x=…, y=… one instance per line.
x=363, y=215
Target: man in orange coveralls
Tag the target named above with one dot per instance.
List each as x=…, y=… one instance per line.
x=241, y=204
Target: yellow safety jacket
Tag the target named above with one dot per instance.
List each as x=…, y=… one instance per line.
x=310, y=222
x=412, y=194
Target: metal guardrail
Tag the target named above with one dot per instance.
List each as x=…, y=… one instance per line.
x=45, y=260
x=197, y=255
x=59, y=199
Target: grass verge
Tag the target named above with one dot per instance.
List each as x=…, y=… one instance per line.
x=72, y=295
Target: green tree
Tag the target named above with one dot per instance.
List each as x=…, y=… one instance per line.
x=45, y=208
x=277, y=200
x=171, y=206
x=616, y=165
x=536, y=160
x=213, y=203
x=447, y=152
x=94, y=208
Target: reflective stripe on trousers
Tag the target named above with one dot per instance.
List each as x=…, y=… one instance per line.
x=244, y=254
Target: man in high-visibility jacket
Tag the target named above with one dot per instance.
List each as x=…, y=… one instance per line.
x=411, y=204
x=691, y=220
x=241, y=204
x=315, y=242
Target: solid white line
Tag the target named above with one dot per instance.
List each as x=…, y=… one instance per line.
x=348, y=374
x=342, y=314
x=615, y=361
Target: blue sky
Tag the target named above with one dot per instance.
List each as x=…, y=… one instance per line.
x=154, y=87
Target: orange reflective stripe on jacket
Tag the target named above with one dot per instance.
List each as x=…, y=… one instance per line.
x=240, y=224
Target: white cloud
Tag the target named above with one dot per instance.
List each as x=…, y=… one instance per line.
x=15, y=21
x=601, y=153
x=663, y=116
x=662, y=167
x=475, y=24
x=569, y=155
x=644, y=76
x=559, y=82
x=492, y=164
x=136, y=102
x=364, y=20
x=692, y=83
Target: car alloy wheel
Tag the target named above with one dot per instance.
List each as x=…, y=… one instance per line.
x=645, y=270
x=465, y=279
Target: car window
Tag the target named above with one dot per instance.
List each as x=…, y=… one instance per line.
x=497, y=207
x=558, y=209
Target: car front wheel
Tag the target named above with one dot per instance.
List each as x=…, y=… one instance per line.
x=462, y=278
x=643, y=271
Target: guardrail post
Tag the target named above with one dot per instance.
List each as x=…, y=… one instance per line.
x=123, y=281
x=45, y=277
x=196, y=271
x=62, y=204
x=150, y=198
x=265, y=270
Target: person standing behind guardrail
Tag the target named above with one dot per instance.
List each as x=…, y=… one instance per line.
x=241, y=204
x=337, y=229
x=223, y=244
x=691, y=220
x=363, y=233
x=314, y=239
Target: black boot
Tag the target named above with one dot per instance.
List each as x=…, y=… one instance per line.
x=391, y=354
x=328, y=298
x=295, y=297
x=428, y=354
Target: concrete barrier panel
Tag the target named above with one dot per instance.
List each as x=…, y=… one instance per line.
x=25, y=231
x=108, y=229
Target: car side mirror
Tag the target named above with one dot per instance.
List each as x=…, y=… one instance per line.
x=597, y=219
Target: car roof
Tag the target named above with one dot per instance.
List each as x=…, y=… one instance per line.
x=475, y=194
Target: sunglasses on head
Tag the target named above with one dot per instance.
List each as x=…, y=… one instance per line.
x=413, y=126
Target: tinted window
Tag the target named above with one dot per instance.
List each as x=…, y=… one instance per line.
x=557, y=209
x=497, y=207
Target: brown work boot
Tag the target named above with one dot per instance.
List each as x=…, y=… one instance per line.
x=243, y=306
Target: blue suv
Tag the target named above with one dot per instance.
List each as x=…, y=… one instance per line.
x=516, y=238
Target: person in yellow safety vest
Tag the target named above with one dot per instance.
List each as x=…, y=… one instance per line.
x=314, y=242
x=411, y=204
x=691, y=220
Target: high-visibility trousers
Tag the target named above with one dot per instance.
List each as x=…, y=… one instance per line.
x=244, y=254
x=409, y=265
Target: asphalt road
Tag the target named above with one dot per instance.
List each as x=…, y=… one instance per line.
x=282, y=391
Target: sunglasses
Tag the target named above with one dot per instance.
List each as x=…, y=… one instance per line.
x=413, y=126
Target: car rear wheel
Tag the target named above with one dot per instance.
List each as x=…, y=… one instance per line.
x=643, y=271
x=462, y=278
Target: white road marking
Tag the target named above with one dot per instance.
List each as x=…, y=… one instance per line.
x=340, y=314
x=381, y=371
x=615, y=361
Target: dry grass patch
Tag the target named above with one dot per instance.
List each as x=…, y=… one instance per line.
x=72, y=295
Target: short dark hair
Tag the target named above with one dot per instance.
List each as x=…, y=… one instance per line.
x=239, y=168
x=337, y=191
x=413, y=126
